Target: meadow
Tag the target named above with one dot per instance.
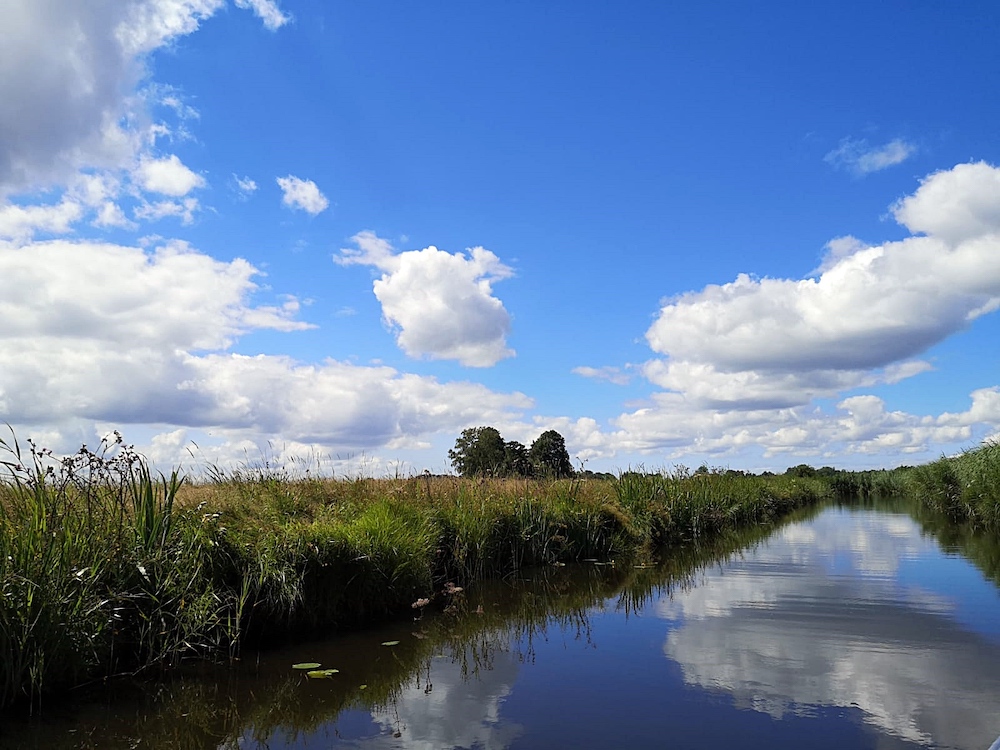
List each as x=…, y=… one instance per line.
x=109, y=569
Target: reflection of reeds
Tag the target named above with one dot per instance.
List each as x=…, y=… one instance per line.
x=106, y=568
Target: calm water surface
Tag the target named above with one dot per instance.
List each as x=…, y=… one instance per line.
x=848, y=628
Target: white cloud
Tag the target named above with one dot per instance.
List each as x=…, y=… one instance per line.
x=956, y=205
x=245, y=187
x=172, y=297
x=184, y=210
x=783, y=342
x=672, y=426
x=858, y=157
x=71, y=76
x=303, y=194
x=68, y=73
x=611, y=374
x=168, y=176
x=267, y=11
x=703, y=384
x=441, y=304
x=116, y=334
x=20, y=223
x=110, y=214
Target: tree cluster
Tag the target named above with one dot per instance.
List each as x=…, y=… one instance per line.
x=482, y=452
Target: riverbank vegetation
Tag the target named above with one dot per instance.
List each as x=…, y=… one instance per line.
x=107, y=568
x=965, y=489
x=257, y=700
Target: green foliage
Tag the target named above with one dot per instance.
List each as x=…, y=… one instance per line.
x=965, y=488
x=482, y=452
x=517, y=462
x=479, y=451
x=549, y=457
x=97, y=570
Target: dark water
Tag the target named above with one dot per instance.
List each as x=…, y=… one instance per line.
x=846, y=628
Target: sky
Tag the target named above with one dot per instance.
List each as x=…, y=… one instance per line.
x=336, y=234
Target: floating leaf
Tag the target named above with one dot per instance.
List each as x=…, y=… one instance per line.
x=306, y=665
x=390, y=643
x=321, y=674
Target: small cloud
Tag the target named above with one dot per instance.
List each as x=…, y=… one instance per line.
x=267, y=11
x=346, y=312
x=184, y=210
x=110, y=214
x=611, y=374
x=244, y=186
x=167, y=176
x=302, y=194
x=857, y=157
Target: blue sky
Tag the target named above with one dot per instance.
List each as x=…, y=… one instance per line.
x=677, y=233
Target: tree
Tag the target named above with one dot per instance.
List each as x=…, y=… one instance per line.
x=517, y=462
x=549, y=457
x=478, y=451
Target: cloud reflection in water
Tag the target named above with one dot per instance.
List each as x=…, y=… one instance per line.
x=820, y=616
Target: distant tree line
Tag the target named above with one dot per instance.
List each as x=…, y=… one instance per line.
x=482, y=452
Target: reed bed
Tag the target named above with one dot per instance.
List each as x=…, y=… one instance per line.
x=107, y=568
x=965, y=488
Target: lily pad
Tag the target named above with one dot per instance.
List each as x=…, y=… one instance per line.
x=306, y=665
x=390, y=643
x=321, y=674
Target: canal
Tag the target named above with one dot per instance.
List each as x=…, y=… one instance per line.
x=844, y=627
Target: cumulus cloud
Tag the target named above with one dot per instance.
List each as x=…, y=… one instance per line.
x=71, y=78
x=859, y=158
x=20, y=223
x=110, y=214
x=168, y=176
x=870, y=311
x=674, y=426
x=441, y=304
x=956, y=205
x=116, y=334
x=302, y=194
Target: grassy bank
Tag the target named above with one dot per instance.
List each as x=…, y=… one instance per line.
x=107, y=569
x=965, y=488
x=262, y=698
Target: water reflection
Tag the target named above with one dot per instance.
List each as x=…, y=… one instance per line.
x=843, y=628
x=853, y=609
x=455, y=712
